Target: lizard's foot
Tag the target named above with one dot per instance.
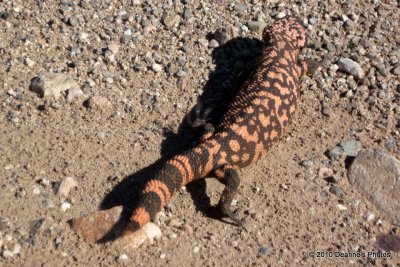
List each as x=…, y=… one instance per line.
x=227, y=212
x=230, y=178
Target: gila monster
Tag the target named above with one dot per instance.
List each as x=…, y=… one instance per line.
x=258, y=115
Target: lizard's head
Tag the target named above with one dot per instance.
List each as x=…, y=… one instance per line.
x=289, y=28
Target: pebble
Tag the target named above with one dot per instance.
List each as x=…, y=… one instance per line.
x=335, y=152
x=351, y=147
x=369, y=217
x=376, y=174
x=9, y=167
x=163, y=255
x=203, y=42
x=171, y=20
x=351, y=67
x=187, y=13
x=196, y=249
x=73, y=21
x=36, y=225
x=213, y=44
x=336, y=190
x=264, y=250
x=36, y=190
x=90, y=82
x=307, y=163
x=341, y=207
x=348, y=148
x=114, y=48
x=157, y=67
x=30, y=63
x=75, y=93
x=256, y=26
x=82, y=36
x=98, y=102
x=65, y=186
x=65, y=206
x=174, y=223
x=312, y=20
x=52, y=84
x=187, y=228
x=123, y=257
x=9, y=254
x=395, y=52
x=281, y=15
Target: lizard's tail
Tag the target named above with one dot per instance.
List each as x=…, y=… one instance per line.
x=178, y=171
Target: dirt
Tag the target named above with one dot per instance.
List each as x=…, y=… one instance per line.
x=288, y=209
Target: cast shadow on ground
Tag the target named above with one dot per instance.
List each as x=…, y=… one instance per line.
x=234, y=61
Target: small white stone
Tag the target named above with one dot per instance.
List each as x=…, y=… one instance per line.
x=75, y=93
x=369, y=217
x=281, y=15
x=128, y=32
x=203, y=42
x=65, y=186
x=65, y=206
x=284, y=186
x=8, y=237
x=196, y=249
x=7, y=254
x=9, y=167
x=244, y=28
x=163, y=255
x=341, y=207
x=36, y=190
x=17, y=249
x=29, y=62
x=152, y=231
x=12, y=93
x=173, y=236
x=90, y=82
x=123, y=257
x=45, y=182
x=157, y=67
x=83, y=36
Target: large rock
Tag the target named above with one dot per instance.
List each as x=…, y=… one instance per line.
x=377, y=175
x=95, y=226
x=52, y=84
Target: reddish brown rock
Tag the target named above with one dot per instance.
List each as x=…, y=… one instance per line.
x=96, y=225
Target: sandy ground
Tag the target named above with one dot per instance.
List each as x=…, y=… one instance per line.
x=289, y=209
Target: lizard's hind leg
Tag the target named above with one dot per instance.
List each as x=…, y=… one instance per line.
x=230, y=178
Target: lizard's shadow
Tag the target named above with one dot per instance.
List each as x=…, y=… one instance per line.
x=234, y=61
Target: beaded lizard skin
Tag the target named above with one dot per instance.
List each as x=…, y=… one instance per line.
x=258, y=115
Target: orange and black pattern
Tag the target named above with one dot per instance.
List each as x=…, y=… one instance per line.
x=257, y=116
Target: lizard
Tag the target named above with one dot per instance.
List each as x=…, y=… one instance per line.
x=258, y=115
